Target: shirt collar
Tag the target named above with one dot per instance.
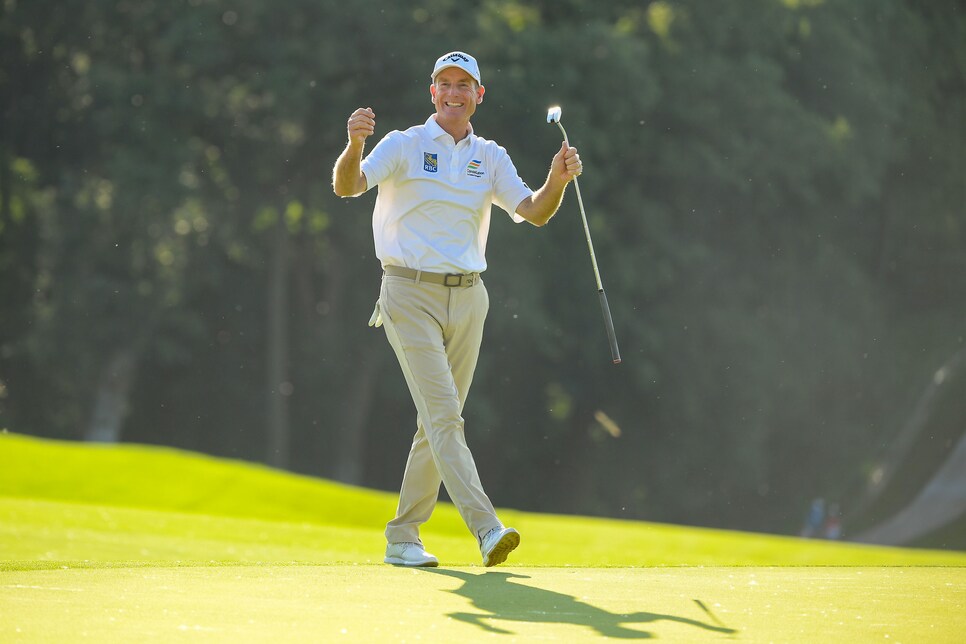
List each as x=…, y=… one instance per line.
x=435, y=130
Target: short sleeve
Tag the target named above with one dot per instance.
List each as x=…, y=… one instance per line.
x=508, y=188
x=382, y=161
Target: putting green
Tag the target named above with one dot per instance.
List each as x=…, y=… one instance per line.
x=128, y=543
x=370, y=603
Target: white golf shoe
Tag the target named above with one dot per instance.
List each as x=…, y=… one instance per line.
x=409, y=553
x=497, y=544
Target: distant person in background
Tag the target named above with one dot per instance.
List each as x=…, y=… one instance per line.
x=437, y=183
x=833, y=522
x=815, y=519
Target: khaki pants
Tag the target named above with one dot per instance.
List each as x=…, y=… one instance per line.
x=436, y=333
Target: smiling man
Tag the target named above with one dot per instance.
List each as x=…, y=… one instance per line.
x=437, y=184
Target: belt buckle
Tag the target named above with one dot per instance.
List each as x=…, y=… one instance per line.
x=458, y=282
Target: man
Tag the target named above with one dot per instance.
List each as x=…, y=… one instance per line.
x=437, y=182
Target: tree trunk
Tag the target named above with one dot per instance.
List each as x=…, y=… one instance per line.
x=112, y=399
x=279, y=387
x=943, y=500
x=351, y=458
x=903, y=442
x=6, y=181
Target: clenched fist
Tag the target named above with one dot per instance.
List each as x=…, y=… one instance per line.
x=361, y=125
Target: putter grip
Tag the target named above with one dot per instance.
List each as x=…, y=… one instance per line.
x=609, y=323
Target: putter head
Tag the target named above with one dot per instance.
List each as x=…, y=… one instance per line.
x=553, y=114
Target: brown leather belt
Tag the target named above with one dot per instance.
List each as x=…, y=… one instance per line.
x=446, y=279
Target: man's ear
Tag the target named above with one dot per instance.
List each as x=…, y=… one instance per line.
x=432, y=92
x=479, y=94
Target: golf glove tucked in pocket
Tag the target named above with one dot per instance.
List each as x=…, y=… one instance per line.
x=376, y=319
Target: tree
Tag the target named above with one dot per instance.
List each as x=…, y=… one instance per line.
x=773, y=191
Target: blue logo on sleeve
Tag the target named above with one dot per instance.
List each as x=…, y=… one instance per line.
x=430, y=164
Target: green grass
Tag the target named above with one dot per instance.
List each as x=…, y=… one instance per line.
x=126, y=542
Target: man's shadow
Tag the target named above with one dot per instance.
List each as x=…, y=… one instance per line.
x=497, y=598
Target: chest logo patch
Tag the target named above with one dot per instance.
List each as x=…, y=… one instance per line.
x=430, y=162
x=475, y=168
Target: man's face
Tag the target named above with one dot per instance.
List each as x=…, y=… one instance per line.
x=455, y=94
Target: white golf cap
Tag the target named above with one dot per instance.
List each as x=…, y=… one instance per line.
x=458, y=59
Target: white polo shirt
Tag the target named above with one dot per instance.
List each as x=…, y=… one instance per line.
x=432, y=212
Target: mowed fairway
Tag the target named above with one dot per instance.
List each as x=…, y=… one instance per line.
x=125, y=543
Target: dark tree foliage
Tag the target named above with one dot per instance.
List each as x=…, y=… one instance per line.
x=776, y=193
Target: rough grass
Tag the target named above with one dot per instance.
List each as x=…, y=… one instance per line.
x=70, y=501
x=122, y=543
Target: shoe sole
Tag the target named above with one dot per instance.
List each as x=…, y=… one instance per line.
x=395, y=561
x=503, y=547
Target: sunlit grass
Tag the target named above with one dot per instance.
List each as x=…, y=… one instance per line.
x=100, y=505
x=133, y=543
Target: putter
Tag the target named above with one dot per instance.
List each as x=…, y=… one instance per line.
x=553, y=116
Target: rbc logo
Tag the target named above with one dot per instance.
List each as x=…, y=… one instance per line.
x=429, y=162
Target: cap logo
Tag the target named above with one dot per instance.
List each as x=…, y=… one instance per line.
x=457, y=59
